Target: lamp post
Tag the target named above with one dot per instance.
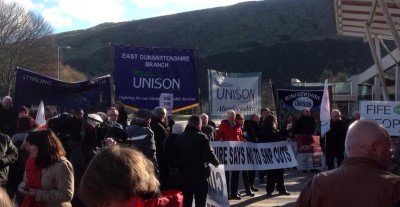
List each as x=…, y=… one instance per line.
x=58, y=59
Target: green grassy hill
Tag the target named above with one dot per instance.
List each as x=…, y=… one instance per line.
x=282, y=38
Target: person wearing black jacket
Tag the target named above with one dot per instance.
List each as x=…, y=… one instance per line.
x=251, y=129
x=305, y=124
x=141, y=137
x=194, y=151
x=160, y=130
x=270, y=133
x=334, y=140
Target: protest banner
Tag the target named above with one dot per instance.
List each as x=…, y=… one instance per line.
x=309, y=152
x=299, y=98
x=385, y=113
x=240, y=92
x=236, y=155
x=31, y=88
x=217, y=192
x=141, y=74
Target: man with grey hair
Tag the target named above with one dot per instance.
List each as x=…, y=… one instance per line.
x=229, y=130
x=8, y=116
x=354, y=117
x=207, y=129
x=160, y=130
x=362, y=179
x=334, y=140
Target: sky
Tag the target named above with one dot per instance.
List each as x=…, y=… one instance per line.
x=68, y=15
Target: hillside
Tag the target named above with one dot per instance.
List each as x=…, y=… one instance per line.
x=282, y=38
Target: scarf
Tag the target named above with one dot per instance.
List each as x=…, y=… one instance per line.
x=169, y=198
x=33, y=180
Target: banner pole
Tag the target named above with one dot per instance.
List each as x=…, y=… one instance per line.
x=196, y=55
x=112, y=74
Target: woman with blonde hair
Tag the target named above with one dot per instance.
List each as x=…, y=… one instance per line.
x=4, y=199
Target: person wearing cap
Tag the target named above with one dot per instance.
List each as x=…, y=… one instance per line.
x=141, y=137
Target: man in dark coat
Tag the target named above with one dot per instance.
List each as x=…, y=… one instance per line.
x=194, y=151
x=305, y=124
x=251, y=129
x=141, y=137
x=8, y=116
x=334, y=140
x=160, y=134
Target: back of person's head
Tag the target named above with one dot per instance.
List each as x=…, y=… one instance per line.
x=26, y=123
x=119, y=105
x=178, y=128
x=143, y=115
x=5, y=200
x=366, y=138
x=117, y=174
x=195, y=121
x=50, y=149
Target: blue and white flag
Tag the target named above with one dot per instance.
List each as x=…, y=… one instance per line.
x=325, y=114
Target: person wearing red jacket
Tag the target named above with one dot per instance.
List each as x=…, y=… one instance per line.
x=229, y=130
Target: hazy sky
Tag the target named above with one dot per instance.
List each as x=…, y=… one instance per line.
x=67, y=15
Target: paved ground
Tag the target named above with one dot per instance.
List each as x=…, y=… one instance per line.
x=294, y=181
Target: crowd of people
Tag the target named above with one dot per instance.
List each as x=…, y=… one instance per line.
x=100, y=159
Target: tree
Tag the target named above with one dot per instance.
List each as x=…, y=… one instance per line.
x=328, y=74
x=69, y=74
x=25, y=41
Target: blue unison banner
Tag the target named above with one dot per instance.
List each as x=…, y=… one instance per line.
x=142, y=74
x=91, y=95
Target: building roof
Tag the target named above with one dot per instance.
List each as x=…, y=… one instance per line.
x=352, y=15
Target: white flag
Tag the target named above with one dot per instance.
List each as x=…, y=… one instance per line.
x=40, y=118
x=325, y=112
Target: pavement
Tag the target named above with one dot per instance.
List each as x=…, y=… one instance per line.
x=294, y=180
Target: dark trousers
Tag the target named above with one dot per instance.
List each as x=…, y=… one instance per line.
x=330, y=159
x=234, y=184
x=198, y=189
x=275, y=177
x=252, y=177
x=246, y=181
x=261, y=175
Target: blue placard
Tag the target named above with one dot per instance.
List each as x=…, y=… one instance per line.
x=141, y=74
